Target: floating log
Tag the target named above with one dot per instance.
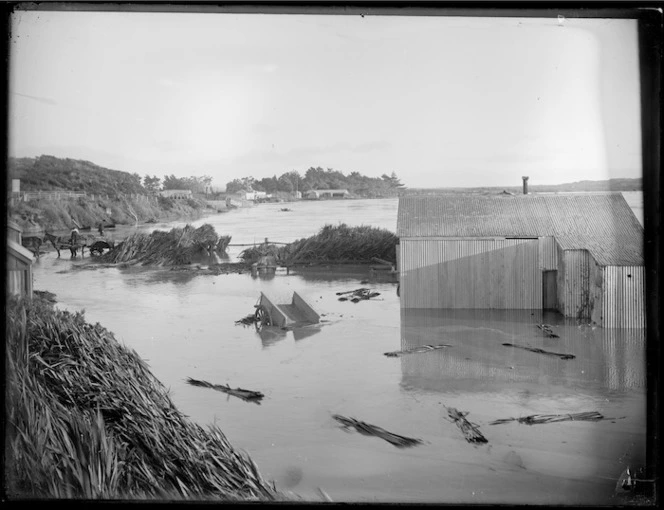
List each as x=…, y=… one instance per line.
x=470, y=431
x=414, y=350
x=546, y=328
x=539, y=419
x=357, y=295
x=541, y=351
x=246, y=395
x=372, y=430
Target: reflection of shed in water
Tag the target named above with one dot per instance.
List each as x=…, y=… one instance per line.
x=608, y=358
x=580, y=254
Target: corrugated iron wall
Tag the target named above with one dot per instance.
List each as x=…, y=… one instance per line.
x=623, y=303
x=470, y=273
x=548, y=254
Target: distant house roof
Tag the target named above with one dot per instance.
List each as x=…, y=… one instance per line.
x=603, y=224
x=22, y=253
x=334, y=191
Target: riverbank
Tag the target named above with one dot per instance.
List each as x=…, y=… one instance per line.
x=60, y=214
x=87, y=419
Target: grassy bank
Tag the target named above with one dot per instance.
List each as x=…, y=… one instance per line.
x=87, y=419
x=61, y=214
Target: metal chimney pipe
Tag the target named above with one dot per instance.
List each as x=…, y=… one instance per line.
x=525, y=184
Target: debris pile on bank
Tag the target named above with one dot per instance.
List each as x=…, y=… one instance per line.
x=342, y=244
x=159, y=248
x=87, y=419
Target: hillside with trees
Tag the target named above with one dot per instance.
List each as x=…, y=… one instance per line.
x=358, y=185
x=112, y=196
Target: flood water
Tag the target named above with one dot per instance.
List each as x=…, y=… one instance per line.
x=183, y=324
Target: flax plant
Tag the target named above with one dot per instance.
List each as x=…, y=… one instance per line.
x=87, y=419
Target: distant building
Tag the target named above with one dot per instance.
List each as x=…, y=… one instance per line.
x=176, y=193
x=316, y=194
x=252, y=195
x=580, y=254
x=19, y=263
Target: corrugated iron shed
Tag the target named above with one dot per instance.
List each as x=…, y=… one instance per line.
x=602, y=223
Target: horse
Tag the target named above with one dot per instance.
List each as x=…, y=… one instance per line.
x=62, y=242
x=33, y=243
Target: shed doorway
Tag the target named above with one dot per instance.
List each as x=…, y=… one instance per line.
x=549, y=290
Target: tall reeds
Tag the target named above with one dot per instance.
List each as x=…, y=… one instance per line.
x=87, y=419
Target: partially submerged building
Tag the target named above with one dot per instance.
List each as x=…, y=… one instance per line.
x=580, y=254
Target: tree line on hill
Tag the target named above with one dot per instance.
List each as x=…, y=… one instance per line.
x=317, y=178
x=48, y=173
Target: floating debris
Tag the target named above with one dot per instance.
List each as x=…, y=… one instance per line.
x=541, y=351
x=342, y=244
x=285, y=209
x=539, y=419
x=470, y=431
x=414, y=350
x=159, y=248
x=357, y=295
x=246, y=395
x=546, y=328
x=372, y=430
x=248, y=320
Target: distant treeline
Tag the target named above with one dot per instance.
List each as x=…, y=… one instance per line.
x=317, y=178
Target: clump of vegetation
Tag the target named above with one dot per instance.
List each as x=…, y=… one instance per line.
x=255, y=253
x=87, y=419
x=342, y=243
x=173, y=248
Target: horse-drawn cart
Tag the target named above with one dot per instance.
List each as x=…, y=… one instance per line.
x=296, y=313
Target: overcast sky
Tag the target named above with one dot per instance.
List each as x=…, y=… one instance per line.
x=441, y=101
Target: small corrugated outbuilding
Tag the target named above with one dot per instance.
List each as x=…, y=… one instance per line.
x=19, y=263
x=580, y=254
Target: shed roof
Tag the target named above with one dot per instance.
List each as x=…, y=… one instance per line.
x=602, y=223
x=22, y=253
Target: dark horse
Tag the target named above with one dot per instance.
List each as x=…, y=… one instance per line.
x=62, y=242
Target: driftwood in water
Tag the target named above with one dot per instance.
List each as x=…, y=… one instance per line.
x=470, y=431
x=372, y=430
x=539, y=419
x=414, y=350
x=246, y=395
x=357, y=295
x=248, y=320
x=546, y=328
x=541, y=351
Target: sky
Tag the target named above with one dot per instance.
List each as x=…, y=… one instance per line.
x=441, y=101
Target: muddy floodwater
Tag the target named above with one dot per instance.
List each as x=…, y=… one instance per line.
x=183, y=324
